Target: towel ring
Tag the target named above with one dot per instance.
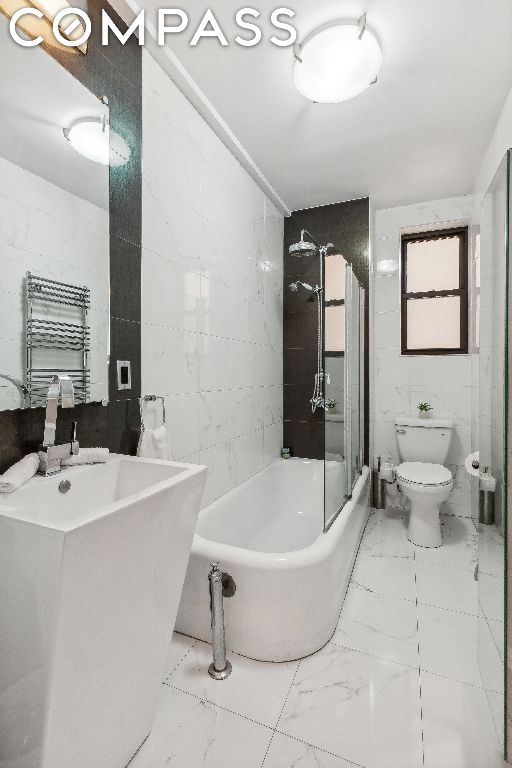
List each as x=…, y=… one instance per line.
x=150, y=399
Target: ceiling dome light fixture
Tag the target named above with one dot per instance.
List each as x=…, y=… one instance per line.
x=337, y=61
x=92, y=138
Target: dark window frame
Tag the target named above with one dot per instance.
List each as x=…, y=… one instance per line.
x=462, y=291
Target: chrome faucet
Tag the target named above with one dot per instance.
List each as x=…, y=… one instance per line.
x=51, y=453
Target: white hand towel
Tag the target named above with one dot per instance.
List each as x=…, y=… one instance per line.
x=87, y=456
x=19, y=473
x=154, y=444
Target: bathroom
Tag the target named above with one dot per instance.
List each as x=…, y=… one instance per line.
x=253, y=386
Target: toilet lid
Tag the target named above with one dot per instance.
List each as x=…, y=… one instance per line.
x=422, y=473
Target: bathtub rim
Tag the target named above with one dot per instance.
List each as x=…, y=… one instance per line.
x=317, y=551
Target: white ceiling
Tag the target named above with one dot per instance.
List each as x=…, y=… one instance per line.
x=419, y=134
x=38, y=99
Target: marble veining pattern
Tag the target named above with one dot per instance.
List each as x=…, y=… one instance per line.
x=398, y=685
x=211, y=293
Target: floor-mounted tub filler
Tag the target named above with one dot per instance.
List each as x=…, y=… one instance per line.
x=291, y=577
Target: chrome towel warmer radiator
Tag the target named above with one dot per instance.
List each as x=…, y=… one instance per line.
x=46, y=330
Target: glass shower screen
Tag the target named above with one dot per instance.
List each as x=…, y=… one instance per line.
x=343, y=367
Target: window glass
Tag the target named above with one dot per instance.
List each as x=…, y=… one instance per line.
x=433, y=265
x=433, y=323
x=335, y=328
x=334, y=277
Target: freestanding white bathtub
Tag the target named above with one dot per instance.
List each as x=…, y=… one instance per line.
x=291, y=578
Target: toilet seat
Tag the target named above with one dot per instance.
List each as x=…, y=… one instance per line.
x=422, y=474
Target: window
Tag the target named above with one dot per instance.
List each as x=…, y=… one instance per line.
x=334, y=305
x=435, y=292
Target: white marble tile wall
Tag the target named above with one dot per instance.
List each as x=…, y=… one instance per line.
x=401, y=382
x=55, y=234
x=211, y=293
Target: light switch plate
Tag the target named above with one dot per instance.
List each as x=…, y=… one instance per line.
x=124, y=374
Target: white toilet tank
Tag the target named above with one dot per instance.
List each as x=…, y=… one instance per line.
x=425, y=440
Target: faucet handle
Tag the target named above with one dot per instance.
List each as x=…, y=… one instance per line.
x=75, y=447
x=67, y=391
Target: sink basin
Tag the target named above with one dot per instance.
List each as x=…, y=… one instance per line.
x=91, y=582
x=95, y=491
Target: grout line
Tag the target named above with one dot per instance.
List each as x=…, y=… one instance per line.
x=220, y=706
x=267, y=749
x=419, y=661
x=450, y=610
x=372, y=655
x=493, y=576
x=496, y=726
x=320, y=749
x=288, y=693
x=173, y=670
x=445, y=565
x=487, y=619
x=358, y=585
x=461, y=682
x=229, y=441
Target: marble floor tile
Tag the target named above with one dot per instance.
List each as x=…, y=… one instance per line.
x=191, y=733
x=285, y=752
x=498, y=635
x=458, y=731
x=489, y=659
x=445, y=587
x=385, y=574
x=179, y=647
x=386, y=534
x=382, y=626
x=491, y=550
x=459, y=544
x=491, y=593
x=255, y=689
x=448, y=644
x=353, y=705
x=496, y=703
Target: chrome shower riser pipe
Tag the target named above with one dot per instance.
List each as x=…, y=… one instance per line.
x=220, y=668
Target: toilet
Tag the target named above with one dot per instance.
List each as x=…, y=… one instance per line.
x=423, y=447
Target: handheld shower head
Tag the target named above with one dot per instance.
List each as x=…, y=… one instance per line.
x=295, y=286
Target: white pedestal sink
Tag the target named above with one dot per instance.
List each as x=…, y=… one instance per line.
x=90, y=583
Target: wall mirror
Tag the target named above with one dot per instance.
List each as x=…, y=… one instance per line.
x=54, y=230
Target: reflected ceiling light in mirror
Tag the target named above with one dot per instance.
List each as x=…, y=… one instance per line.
x=72, y=27
x=337, y=61
x=92, y=138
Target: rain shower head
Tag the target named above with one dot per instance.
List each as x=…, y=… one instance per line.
x=303, y=247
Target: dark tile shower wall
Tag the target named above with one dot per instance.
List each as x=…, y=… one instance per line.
x=347, y=226
x=116, y=72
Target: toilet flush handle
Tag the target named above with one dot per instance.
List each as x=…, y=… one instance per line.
x=400, y=431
